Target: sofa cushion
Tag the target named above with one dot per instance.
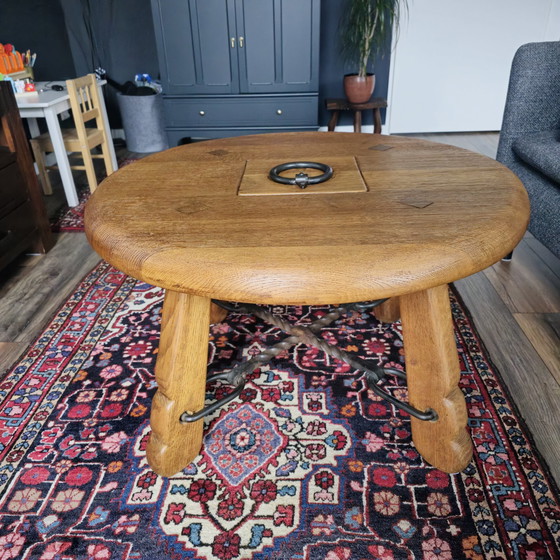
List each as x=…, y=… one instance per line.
x=541, y=151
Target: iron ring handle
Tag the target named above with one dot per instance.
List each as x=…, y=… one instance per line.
x=301, y=179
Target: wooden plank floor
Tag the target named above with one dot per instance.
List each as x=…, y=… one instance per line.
x=515, y=307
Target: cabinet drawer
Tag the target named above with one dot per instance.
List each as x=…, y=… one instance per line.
x=246, y=112
x=176, y=136
x=6, y=157
x=16, y=232
x=12, y=189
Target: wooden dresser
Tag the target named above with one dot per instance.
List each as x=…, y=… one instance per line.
x=24, y=225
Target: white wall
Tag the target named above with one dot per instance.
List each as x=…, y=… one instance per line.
x=450, y=66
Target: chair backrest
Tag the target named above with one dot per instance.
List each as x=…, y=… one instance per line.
x=85, y=103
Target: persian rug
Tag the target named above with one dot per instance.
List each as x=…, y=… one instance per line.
x=72, y=218
x=308, y=464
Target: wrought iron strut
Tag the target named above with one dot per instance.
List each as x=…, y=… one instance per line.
x=237, y=376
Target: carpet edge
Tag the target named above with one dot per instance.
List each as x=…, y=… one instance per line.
x=555, y=486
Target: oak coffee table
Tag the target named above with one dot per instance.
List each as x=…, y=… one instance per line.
x=400, y=218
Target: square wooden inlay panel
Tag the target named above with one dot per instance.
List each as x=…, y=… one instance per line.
x=346, y=178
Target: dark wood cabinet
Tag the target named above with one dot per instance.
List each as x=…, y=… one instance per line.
x=23, y=219
x=238, y=66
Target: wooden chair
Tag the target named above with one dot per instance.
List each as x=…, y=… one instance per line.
x=85, y=104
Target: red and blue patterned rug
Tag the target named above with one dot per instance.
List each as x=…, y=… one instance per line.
x=307, y=465
x=71, y=219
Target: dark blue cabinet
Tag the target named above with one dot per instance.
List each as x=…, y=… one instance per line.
x=280, y=47
x=193, y=47
x=238, y=53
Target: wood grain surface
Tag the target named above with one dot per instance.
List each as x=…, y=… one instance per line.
x=432, y=376
x=431, y=214
x=181, y=379
x=543, y=330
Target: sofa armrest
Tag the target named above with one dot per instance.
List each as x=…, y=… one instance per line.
x=542, y=152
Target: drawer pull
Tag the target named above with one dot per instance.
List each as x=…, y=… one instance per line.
x=278, y=111
x=232, y=42
x=202, y=113
x=241, y=40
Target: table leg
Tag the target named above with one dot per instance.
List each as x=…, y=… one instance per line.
x=181, y=378
x=357, y=121
x=432, y=367
x=33, y=126
x=389, y=311
x=217, y=313
x=333, y=121
x=376, y=121
x=61, y=157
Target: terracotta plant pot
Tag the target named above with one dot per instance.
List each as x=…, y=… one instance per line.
x=358, y=89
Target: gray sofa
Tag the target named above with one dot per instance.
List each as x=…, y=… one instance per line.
x=530, y=137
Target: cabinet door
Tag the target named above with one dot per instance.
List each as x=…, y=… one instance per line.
x=278, y=45
x=196, y=54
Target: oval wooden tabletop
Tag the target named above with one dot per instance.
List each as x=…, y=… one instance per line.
x=398, y=216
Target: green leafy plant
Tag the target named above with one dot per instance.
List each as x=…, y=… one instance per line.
x=366, y=27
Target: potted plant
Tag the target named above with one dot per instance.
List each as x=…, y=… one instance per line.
x=365, y=30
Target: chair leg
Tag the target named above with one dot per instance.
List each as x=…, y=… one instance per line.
x=40, y=160
x=107, y=158
x=90, y=170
